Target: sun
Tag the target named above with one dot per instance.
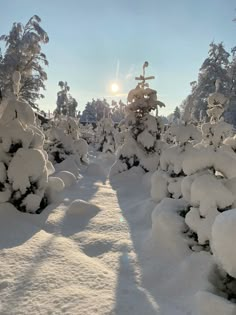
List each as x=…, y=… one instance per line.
x=115, y=87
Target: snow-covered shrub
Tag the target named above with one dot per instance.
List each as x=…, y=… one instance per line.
x=63, y=141
x=142, y=145
x=105, y=135
x=87, y=133
x=169, y=176
x=210, y=168
x=58, y=145
x=120, y=133
x=223, y=275
x=24, y=165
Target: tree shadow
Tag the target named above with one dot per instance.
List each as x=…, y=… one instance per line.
x=131, y=298
x=134, y=201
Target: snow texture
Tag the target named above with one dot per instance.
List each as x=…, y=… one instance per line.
x=223, y=236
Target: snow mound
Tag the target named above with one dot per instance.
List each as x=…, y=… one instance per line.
x=159, y=188
x=82, y=208
x=81, y=148
x=184, y=133
x=69, y=164
x=210, y=193
x=202, y=158
x=17, y=222
x=167, y=227
x=68, y=178
x=95, y=169
x=208, y=304
x=223, y=236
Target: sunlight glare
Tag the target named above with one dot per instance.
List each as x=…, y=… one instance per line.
x=114, y=87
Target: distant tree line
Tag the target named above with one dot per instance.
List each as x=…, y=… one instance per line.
x=97, y=109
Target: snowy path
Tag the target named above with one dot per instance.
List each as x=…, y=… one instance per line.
x=67, y=261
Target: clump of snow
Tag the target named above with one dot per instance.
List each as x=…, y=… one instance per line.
x=168, y=225
x=207, y=158
x=215, y=133
x=183, y=133
x=207, y=196
x=208, y=193
x=55, y=184
x=173, y=158
x=223, y=236
x=80, y=147
x=54, y=189
x=159, y=186
x=70, y=164
x=67, y=177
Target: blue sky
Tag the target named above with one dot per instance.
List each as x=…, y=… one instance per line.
x=95, y=42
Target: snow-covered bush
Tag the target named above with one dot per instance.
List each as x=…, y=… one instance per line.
x=223, y=236
x=87, y=133
x=105, y=135
x=142, y=145
x=203, y=173
x=120, y=133
x=24, y=165
x=210, y=168
x=166, y=181
x=223, y=276
x=63, y=141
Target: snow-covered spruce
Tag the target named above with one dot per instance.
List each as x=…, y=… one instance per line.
x=63, y=141
x=142, y=144
x=87, y=133
x=120, y=133
x=105, y=135
x=24, y=165
x=209, y=187
x=166, y=181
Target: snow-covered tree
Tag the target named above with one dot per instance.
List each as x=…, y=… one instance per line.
x=66, y=104
x=87, y=133
x=64, y=140
x=214, y=67
x=23, y=53
x=24, y=165
x=166, y=181
x=72, y=104
x=176, y=113
x=210, y=170
x=230, y=114
x=142, y=143
x=62, y=98
x=89, y=114
x=105, y=135
x=117, y=111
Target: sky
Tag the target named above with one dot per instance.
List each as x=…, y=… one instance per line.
x=93, y=43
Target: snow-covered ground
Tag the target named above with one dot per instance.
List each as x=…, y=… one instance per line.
x=96, y=252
